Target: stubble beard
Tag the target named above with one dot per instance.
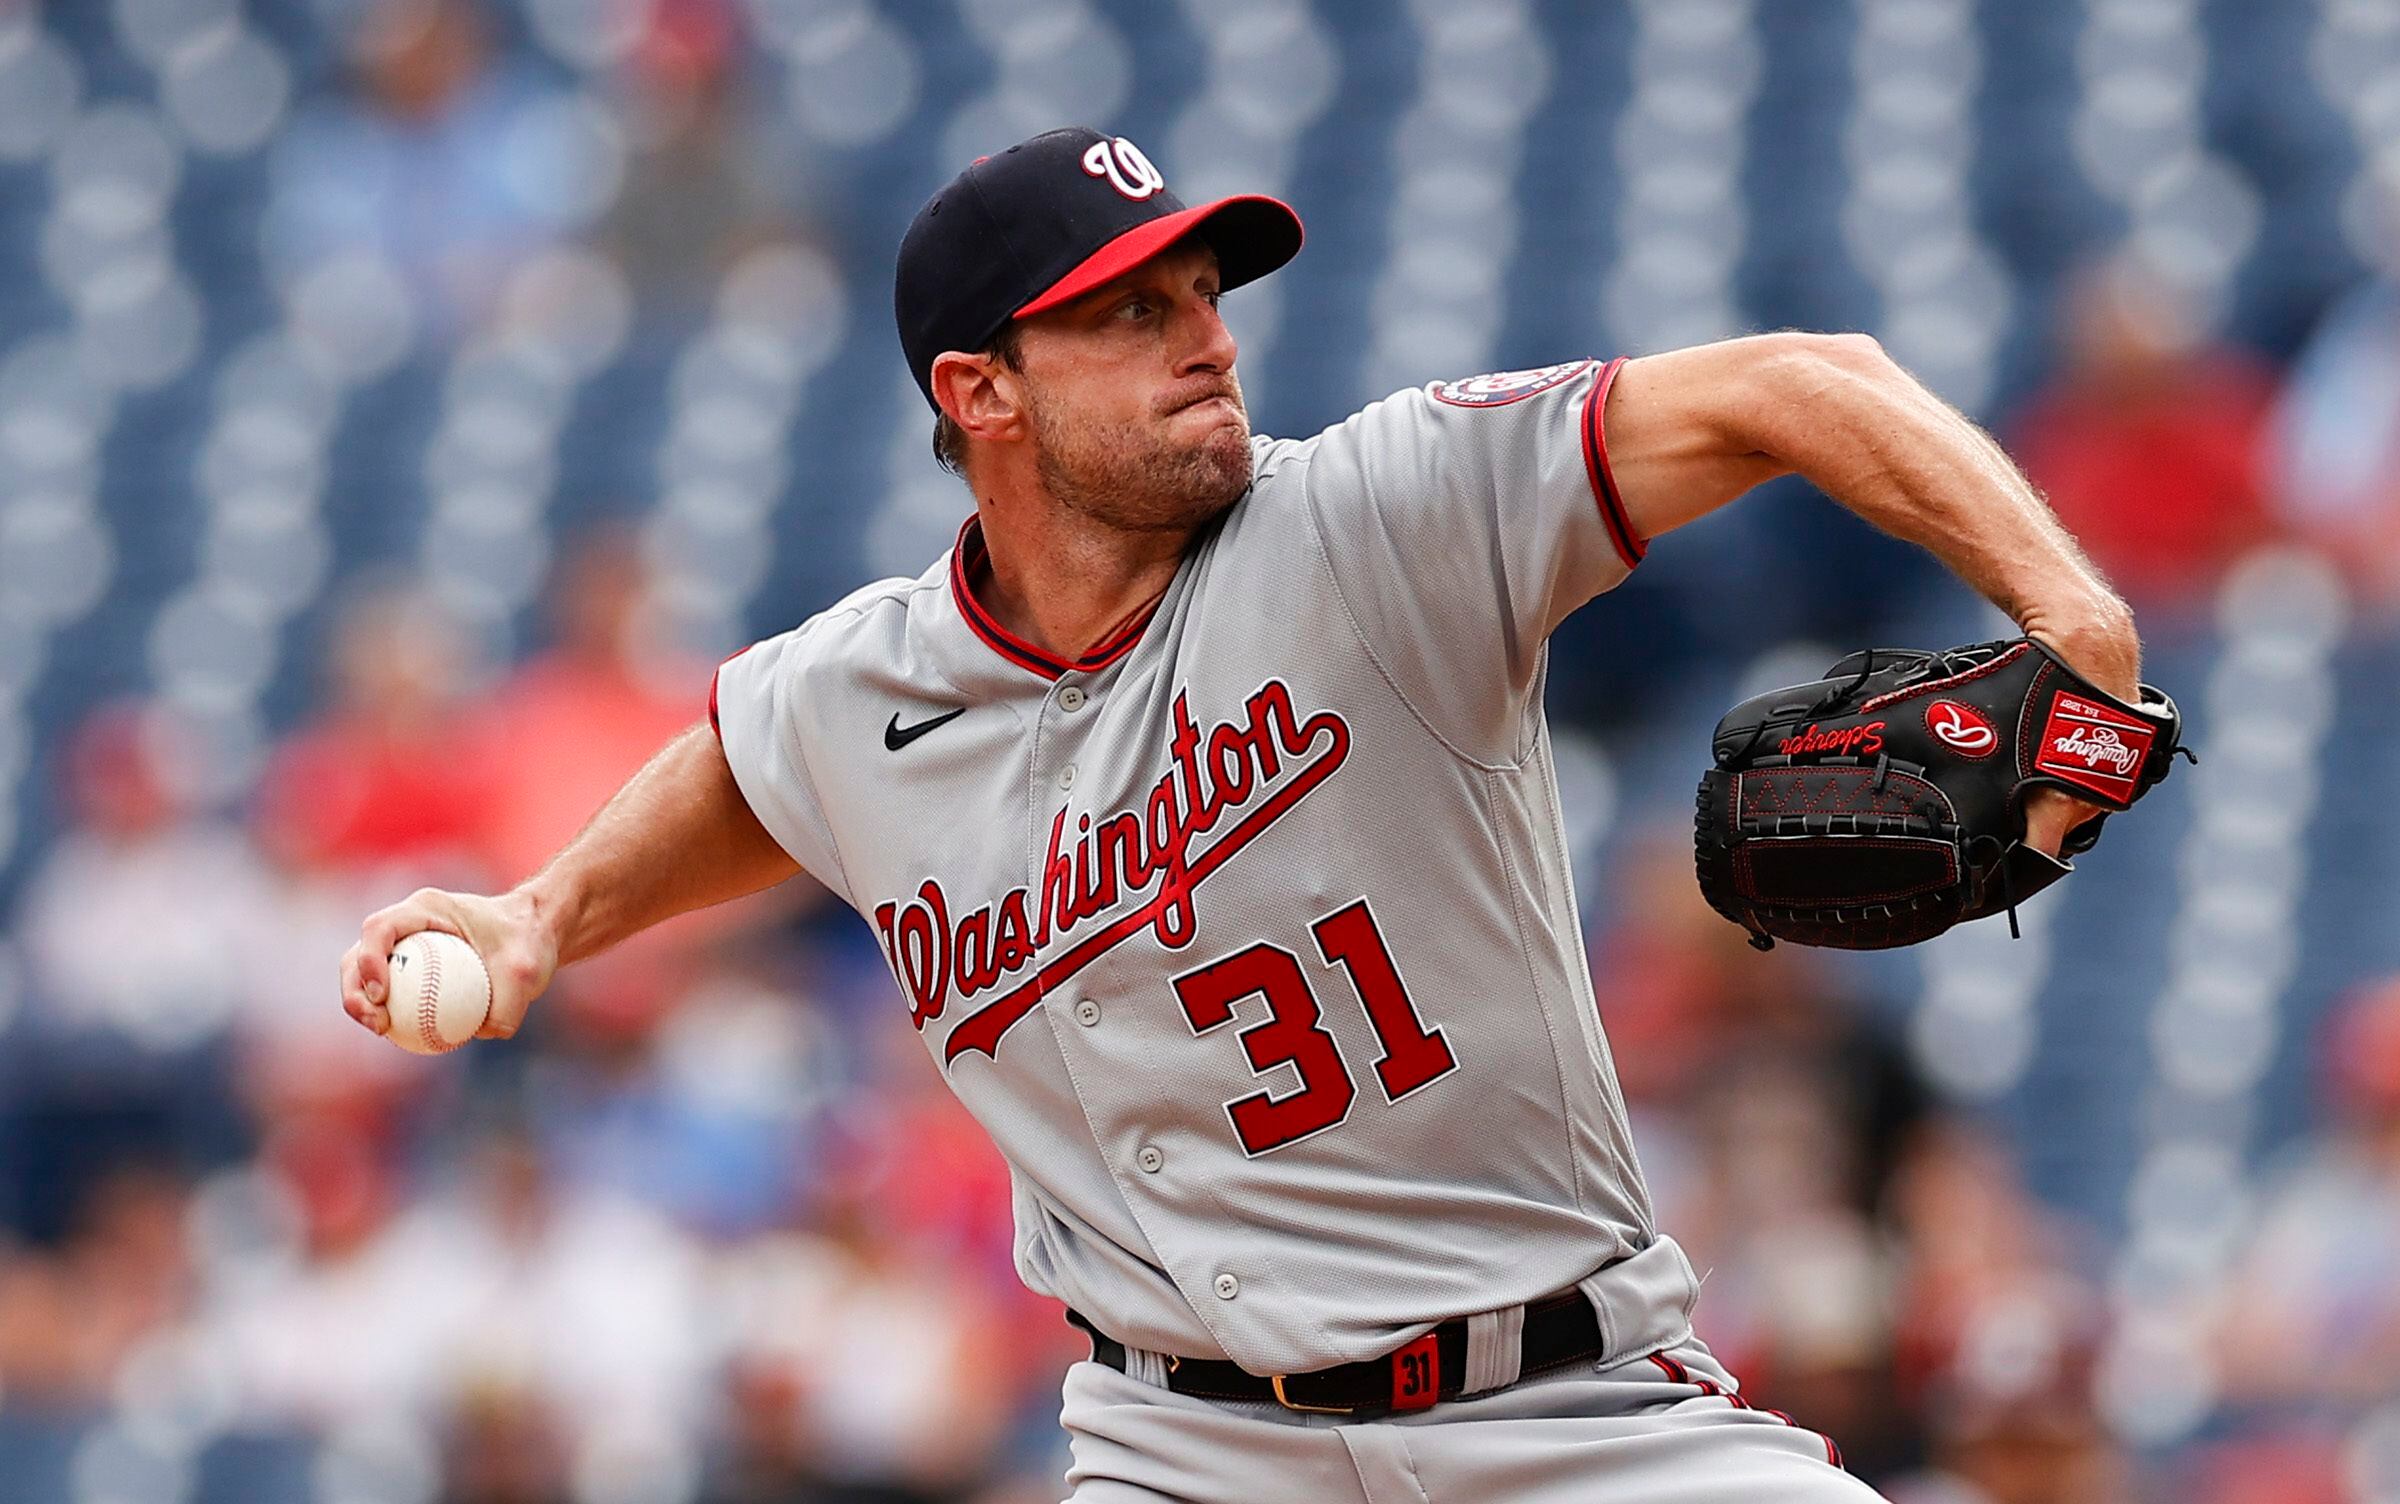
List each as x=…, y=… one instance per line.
x=1136, y=479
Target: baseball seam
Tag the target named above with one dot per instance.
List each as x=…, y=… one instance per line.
x=429, y=998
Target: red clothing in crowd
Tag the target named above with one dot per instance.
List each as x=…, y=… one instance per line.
x=2161, y=482
x=347, y=792
x=566, y=733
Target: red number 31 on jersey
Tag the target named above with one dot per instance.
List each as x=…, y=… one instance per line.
x=1413, y=1055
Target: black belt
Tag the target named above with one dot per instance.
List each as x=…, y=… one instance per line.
x=1560, y=1330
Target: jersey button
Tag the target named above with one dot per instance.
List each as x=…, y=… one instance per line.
x=1066, y=776
x=1227, y=1287
x=1150, y=1159
x=1087, y=1013
x=1071, y=698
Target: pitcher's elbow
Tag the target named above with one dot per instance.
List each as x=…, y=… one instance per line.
x=1820, y=360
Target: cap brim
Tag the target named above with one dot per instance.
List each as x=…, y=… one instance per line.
x=1251, y=234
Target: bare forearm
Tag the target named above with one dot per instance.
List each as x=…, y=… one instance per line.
x=678, y=836
x=1698, y=427
x=1877, y=441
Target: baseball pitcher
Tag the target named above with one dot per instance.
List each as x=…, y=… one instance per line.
x=1201, y=797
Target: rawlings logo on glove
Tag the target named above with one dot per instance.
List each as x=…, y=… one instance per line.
x=2093, y=747
x=1961, y=728
x=1832, y=819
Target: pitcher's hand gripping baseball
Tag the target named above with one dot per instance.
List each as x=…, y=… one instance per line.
x=505, y=931
x=677, y=837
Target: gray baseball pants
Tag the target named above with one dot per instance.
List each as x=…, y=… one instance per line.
x=1661, y=1429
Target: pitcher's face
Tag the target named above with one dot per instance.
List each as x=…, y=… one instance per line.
x=1136, y=415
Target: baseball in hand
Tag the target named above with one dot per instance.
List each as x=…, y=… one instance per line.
x=440, y=993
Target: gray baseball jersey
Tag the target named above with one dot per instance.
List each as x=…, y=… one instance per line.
x=1249, y=935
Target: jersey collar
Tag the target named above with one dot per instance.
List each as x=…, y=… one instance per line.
x=970, y=552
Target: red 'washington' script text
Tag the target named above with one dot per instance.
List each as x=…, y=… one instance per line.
x=1127, y=853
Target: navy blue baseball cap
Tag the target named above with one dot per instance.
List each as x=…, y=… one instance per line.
x=1049, y=219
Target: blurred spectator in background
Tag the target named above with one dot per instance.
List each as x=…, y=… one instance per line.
x=933, y=1176
x=1995, y=1340
x=2012, y=1419
x=1979, y=1256
x=864, y=1368
x=1768, y=1113
x=2147, y=440
x=701, y=181
x=564, y=732
x=701, y=1092
x=131, y=917
x=2287, y=1469
x=72, y=1316
x=385, y=790
x=383, y=779
x=1690, y=1006
x=588, y=1300
x=884, y=1346
x=2312, y=1313
x=2336, y=440
x=135, y=925
x=588, y=1305
x=304, y=1251
x=506, y=1447
x=1672, y=977
x=574, y=722
x=447, y=161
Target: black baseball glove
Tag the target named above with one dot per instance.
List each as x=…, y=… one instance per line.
x=1885, y=803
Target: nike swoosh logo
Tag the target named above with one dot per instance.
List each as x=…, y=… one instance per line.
x=896, y=736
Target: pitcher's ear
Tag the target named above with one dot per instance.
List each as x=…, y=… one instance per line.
x=981, y=394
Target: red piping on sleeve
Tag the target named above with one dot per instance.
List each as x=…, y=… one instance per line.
x=1621, y=535
x=713, y=724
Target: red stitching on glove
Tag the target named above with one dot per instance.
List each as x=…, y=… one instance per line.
x=1894, y=695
